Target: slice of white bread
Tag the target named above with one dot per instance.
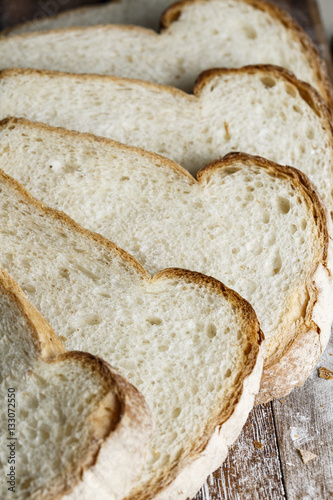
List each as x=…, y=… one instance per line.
x=70, y=425
x=145, y=13
x=197, y=35
x=191, y=345
x=256, y=226
x=191, y=130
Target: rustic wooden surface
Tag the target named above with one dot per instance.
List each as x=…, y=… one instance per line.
x=303, y=420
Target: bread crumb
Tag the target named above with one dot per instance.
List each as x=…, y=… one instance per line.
x=61, y=337
x=282, y=401
x=258, y=445
x=325, y=373
x=306, y=456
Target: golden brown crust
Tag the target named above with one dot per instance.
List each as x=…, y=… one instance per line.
x=309, y=49
x=47, y=344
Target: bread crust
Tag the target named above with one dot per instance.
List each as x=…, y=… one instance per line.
x=242, y=398
x=129, y=416
x=174, y=11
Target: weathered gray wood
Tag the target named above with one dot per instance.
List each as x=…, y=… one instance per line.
x=249, y=472
x=305, y=421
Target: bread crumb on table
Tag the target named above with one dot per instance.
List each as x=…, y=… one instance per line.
x=325, y=373
x=306, y=455
x=258, y=445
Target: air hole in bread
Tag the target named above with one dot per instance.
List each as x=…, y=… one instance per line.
x=92, y=319
x=104, y=293
x=163, y=348
x=283, y=204
x=211, y=331
x=32, y=403
x=235, y=250
x=88, y=273
x=196, y=339
x=277, y=264
x=227, y=373
x=176, y=412
x=310, y=133
x=231, y=170
x=64, y=273
x=124, y=178
x=268, y=81
x=297, y=109
x=293, y=229
x=258, y=250
x=304, y=224
x=291, y=90
x=194, y=389
x=250, y=32
x=154, y=321
x=266, y=217
x=29, y=288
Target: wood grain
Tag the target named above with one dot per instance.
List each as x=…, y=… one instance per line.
x=305, y=421
x=249, y=472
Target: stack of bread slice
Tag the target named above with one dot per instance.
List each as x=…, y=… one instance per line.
x=230, y=244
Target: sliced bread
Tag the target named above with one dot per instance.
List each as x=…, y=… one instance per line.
x=70, y=425
x=191, y=130
x=191, y=345
x=256, y=226
x=197, y=35
x=145, y=13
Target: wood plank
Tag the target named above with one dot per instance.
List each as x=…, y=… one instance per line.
x=20, y=11
x=249, y=472
x=305, y=421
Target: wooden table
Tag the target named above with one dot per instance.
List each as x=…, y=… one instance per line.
x=302, y=420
